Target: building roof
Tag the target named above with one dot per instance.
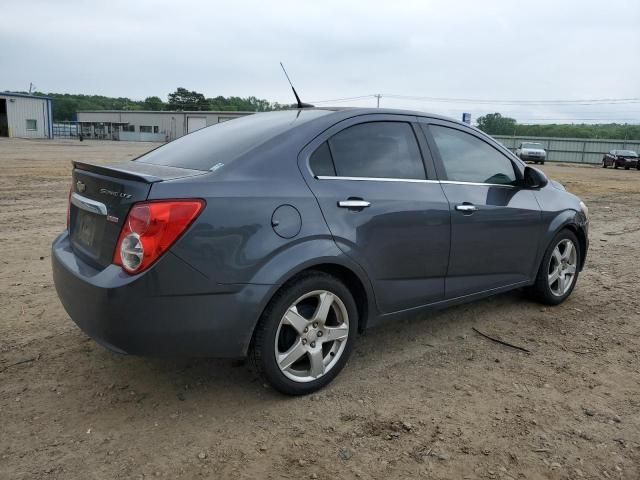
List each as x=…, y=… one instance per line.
x=25, y=95
x=201, y=112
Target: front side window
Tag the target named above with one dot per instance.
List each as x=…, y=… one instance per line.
x=377, y=150
x=468, y=159
x=32, y=125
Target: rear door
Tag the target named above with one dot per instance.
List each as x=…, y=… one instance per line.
x=495, y=224
x=383, y=205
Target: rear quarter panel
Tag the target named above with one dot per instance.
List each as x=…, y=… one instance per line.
x=234, y=242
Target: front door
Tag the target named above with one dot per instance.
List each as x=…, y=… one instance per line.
x=495, y=224
x=382, y=208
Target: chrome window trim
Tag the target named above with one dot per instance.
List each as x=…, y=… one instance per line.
x=411, y=180
x=375, y=179
x=88, y=205
x=452, y=182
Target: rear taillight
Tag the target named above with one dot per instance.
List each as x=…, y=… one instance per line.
x=150, y=229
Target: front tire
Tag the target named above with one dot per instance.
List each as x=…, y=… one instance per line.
x=306, y=334
x=558, y=272
x=604, y=164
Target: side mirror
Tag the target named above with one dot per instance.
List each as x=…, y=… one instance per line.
x=534, y=178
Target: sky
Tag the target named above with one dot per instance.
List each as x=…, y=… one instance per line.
x=562, y=51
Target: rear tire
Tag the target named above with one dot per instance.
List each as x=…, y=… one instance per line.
x=604, y=164
x=626, y=167
x=560, y=264
x=615, y=165
x=542, y=163
x=293, y=327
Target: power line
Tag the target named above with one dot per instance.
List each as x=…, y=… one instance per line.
x=345, y=99
x=591, y=101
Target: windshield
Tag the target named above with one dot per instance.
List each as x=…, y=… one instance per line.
x=224, y=142
x=626, y=153
x=533, y=145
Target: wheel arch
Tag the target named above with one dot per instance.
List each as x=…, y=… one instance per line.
x=582, y=241
x=355, y=280
x=339, y=266
x=573, y=221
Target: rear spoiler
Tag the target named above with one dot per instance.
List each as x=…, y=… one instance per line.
x=138, y=171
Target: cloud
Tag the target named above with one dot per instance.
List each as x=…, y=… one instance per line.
x=463, y=49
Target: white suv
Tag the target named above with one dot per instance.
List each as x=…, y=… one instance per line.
x=531, y=151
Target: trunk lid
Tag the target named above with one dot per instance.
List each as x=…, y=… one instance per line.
x=101, y=197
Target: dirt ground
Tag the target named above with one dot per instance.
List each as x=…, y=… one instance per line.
x=425, y=398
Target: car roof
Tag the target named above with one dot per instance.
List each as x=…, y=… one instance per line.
x=385, y=111
x=346, y=112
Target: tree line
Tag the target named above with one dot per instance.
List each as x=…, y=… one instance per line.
x=65, y=105
x=496, y=124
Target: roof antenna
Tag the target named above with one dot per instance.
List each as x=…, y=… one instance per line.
x=300, y=103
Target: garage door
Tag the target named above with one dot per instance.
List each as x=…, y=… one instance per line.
x=195, y=123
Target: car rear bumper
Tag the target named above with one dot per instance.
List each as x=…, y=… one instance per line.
x=171, y=309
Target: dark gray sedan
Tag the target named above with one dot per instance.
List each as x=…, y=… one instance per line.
x=282, y=235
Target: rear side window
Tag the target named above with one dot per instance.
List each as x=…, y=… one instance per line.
x=468, y=159
x=321, y=162
x=377, y=150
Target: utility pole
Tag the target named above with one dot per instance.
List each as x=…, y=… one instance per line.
x=378, y=96
x=31, y=87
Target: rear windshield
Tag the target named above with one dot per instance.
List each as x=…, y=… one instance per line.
x=223, y=142
x=532, y=145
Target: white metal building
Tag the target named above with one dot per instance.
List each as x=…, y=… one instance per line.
x=150, y=126
x=25, y=116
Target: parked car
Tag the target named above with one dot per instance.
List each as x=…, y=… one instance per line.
x=282, y=235
x=621, y=158
x=531, y=151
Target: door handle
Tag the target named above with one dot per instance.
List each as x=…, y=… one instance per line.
x=466, y=208
x=353, y=203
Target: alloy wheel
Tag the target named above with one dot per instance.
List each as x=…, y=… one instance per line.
x=311, y=336
x=562, y=267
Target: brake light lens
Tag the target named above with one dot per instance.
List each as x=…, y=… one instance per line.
x=150, y=229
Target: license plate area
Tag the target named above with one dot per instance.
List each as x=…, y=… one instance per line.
x=87, y=231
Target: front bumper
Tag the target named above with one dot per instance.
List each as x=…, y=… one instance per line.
x=533, y=158
x=171, y=309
